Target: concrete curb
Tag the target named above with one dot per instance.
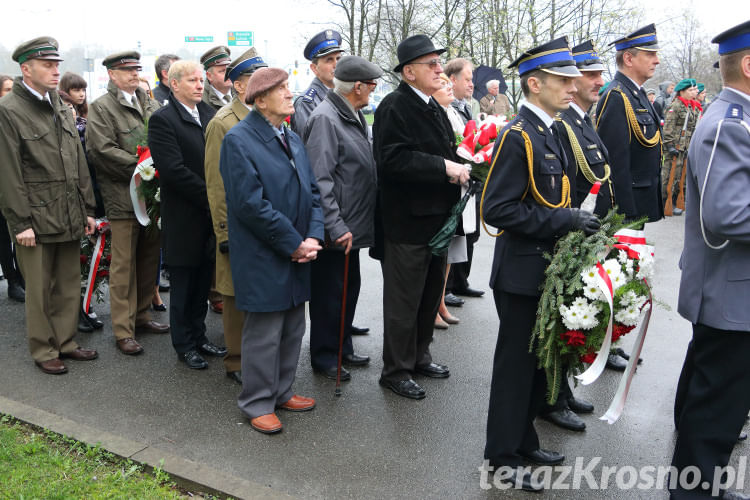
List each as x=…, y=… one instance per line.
x=187, y=474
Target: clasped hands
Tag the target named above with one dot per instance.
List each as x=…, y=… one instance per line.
x=306, y=251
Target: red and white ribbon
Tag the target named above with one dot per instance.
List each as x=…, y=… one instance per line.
x=139, y=204
x=102, y=228
x=597, y=367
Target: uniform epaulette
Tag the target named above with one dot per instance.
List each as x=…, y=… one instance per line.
x=734, y=111
x=309, y=95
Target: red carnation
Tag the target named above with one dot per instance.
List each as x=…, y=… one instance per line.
x=574, y=337
x=109, y=257
x=156, y=173
x=619, y=330
x=102, y=274
x=84, y=259
x=589, y=357
x=288, y=119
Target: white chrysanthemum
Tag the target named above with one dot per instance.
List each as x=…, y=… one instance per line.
x=589, y=276
x=628, y=316
x=588, y=318
x=593, y=292
x=570, y=317
x=580, y=315
x=629, y=268
x=646, y=267
x=157, y=196
x=147, y=171
x=627, y=298
x=614, y=270
x=622, y=256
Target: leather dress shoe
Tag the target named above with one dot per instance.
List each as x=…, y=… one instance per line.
x=52, y=366
x=235, y=376
x=95, y=322
x=152, y=327
x=356, y=330
x=80, y=354
x=625, y=355
x=452, y=300
x=615, y=362
x=159, y=307
x=566, y=419
x=543, y=457
x=217, y=307
x=580, y=406
x=193, y=359
x=129, y=346
x=469, y=292
x=267, y=424
x=734, y=495
x=298, y=403
x=742, y=436
x=406, y=388
x=212, y=349
x=330, y=373
x=356, y=360
x=16, y=291
x=677, y=211
x=84, y=326
x=433, y=370
x=523, y=482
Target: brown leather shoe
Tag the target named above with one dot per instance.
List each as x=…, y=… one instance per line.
x=267, y=424
x=129, y=346
x=217, y=307
x=52, y=366
x=80, y=354
x=298, y=403
x=152, y=327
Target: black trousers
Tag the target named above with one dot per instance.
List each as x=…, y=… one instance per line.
x=327, y=288
x=715, y=401
x=188, y=304
x=518, y=387
x=7, y=255
x=412, y=286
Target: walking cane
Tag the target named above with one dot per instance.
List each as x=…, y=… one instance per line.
x=342, y=325
x=681, y=194
x=670, y=183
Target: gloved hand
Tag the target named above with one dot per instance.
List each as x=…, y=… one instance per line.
x=224, y=246
x=585, y=221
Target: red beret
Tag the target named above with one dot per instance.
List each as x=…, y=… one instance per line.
x=263, y=80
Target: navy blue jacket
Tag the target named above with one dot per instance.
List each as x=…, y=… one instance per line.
x=273, y=204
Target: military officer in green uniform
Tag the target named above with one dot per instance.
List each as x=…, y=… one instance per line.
x=116, y=126
x=218, y=90
x=679, y=123
x=238, y=72
x=48, y=202
x=323, y=51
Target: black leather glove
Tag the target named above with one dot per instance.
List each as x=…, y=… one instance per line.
x=224, y=246
x=584, y=221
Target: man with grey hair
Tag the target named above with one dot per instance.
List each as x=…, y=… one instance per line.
x=494, y=103
x=460, y=72
x=162, y=64
x=338, y=146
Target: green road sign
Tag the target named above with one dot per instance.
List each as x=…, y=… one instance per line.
x=199, y=39
x=240, y=38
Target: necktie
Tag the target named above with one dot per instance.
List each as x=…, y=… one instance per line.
x=135, y=103
x=227, y=98
x=196, y=116
x=587, y=119
x=282, y=136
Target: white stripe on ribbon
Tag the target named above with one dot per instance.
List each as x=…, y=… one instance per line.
x=139, y=204
x=96, y=258
x=597, y=367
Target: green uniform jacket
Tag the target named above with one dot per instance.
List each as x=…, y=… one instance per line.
x=210, y=97
x=114, y=130
x=45, y=179
x=674, y=120
x=227, y=117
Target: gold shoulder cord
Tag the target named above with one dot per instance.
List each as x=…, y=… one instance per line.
x=581, y=162
x=633, y=127
x=565, y=195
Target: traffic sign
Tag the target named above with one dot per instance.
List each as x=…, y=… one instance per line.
x=235, y=38
x=199, y=39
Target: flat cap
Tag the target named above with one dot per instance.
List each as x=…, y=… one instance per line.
x=123, y=60
x=324, y=43
x=44, y=47
x=246, y=64
x=263, y=80
x=552, y=57
x=734, y=39
x=586, y=57
x=356, y=69
x=642, y=39
x=218, y=56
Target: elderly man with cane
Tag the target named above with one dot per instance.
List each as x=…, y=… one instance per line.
x=337, y=141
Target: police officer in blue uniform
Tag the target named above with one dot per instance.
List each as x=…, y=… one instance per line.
x=323, y=51
x=629, y=127
x=712, y=395
x=532, y=215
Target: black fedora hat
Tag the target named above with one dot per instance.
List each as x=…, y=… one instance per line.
x=413, y=47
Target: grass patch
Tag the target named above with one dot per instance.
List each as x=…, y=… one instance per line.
x=38, y=463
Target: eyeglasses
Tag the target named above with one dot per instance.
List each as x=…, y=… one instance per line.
x=432, y=63
x=372, y=84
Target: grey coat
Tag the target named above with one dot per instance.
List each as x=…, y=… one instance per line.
x=715, y=284
x=306, y=103
x=340, y=154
